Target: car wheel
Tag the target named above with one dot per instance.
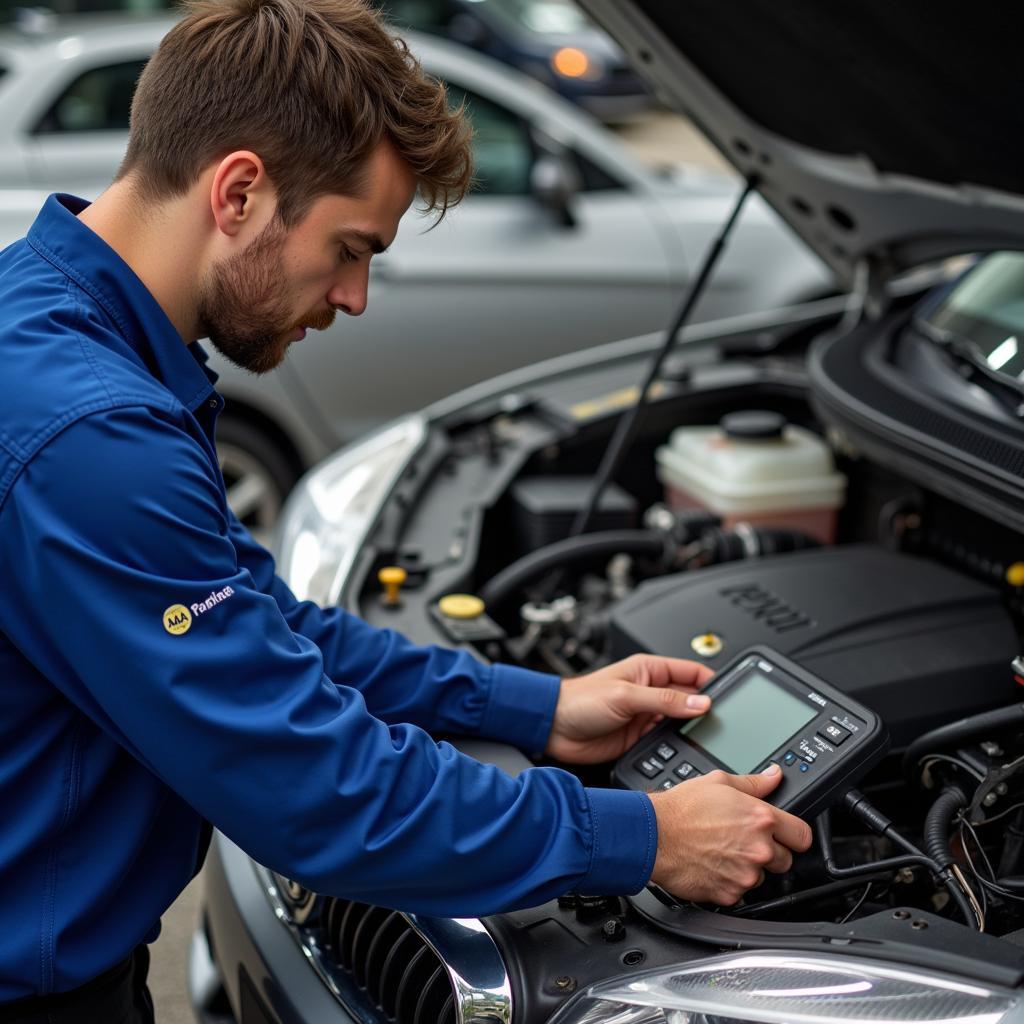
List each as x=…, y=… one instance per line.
x=257, y=474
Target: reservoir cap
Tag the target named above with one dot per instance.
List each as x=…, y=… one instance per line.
x=753, y=425
x=460, y=606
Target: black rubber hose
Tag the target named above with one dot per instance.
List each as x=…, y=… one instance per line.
x=746, y=541
x=958, y=732
x=572, y=550
x=936, y=824
x=823, y=830
x=856, y=803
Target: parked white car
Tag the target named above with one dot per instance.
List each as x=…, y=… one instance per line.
x=568, y=242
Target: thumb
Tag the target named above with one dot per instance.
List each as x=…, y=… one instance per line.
x=759, y=785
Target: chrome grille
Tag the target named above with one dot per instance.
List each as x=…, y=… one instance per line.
x=387, y=967
x=390, y=962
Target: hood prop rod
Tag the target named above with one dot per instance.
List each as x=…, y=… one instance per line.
x=626, y=427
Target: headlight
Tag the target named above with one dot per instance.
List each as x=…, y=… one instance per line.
x=329, y=513
x=780, y=988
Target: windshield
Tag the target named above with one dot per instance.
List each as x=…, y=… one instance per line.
x=985, y=313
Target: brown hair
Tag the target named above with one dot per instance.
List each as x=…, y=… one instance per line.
x=311, y=86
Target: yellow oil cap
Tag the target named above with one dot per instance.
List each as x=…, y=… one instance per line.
x=460, y=606
x=1015, y=574
x=391, y=578
x=707, y=645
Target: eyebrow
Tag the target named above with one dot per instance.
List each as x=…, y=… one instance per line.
x=370, y=240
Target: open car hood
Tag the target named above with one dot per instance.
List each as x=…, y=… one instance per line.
x=880, y=131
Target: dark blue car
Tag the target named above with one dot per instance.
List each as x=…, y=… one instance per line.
x=551, y=40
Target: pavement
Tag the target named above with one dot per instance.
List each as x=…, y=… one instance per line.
x=659, y=138
x=167, y=970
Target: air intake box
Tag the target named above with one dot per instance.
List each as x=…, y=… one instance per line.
x=918, y=643
x=546, y=506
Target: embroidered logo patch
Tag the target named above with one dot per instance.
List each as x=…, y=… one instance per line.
x=177, y=619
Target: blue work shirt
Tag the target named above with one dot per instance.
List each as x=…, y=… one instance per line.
x=128, y=723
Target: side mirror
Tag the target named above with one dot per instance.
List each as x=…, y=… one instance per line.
x=554, y=180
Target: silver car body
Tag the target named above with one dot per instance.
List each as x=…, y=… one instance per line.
x=501, y=283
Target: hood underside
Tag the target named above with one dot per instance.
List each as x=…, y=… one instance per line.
x=892, y=132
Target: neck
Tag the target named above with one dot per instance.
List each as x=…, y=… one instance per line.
x=160, y=245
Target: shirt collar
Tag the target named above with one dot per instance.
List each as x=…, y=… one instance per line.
x=76, y=250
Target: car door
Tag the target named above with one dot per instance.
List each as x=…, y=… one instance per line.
x=500, y=283
x=79, y=137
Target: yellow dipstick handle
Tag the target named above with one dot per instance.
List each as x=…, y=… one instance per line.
x=391, y=578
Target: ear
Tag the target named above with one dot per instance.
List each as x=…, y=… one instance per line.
x=241, y=193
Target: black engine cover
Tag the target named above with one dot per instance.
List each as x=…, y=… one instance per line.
x=918, y=643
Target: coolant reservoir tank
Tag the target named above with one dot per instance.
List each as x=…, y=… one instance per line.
x=754, y=467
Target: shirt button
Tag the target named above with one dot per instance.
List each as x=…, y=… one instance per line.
x=213, y=403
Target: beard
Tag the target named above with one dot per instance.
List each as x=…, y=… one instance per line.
x=241, y=300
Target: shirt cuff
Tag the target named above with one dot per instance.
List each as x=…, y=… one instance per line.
x=625, y=841
x=521, y=707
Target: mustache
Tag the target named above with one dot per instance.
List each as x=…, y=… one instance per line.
x=317, y=321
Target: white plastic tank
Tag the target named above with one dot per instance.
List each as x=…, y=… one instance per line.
x=754, y=467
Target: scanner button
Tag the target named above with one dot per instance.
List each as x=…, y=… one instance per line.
x=804, y=766
x=789, y=758
x=650, y=767
x=665, y=752
x=668, y=784
x=687, y=771
x=835, y=733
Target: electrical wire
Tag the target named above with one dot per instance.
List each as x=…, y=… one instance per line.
x=967, y=729
x=983, y=882
x=964, y=823
x=987, y=883
x=858, y=904
x=1001, y=814
x=979, y=910
x=805, y=895
x=858, y=805
x=980, y=880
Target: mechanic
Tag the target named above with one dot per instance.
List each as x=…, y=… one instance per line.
x=158, y=675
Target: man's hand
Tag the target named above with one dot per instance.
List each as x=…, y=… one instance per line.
x=601, y=715
x=716, y=838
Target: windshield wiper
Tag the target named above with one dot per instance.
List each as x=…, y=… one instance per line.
x=964, y=353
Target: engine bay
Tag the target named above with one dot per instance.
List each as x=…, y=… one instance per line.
x=895, y=593
x=925, y=644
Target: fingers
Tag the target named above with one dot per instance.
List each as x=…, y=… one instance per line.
x=657, y=671
x=671, y=703
x=791, y=831
x=717, y=841
x=787, y=828
x=782, y=860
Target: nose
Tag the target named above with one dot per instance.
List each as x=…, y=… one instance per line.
x=348, y=293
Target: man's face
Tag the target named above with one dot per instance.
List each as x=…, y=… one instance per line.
x=254, y=304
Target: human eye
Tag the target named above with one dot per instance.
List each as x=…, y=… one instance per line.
x=349, y=255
